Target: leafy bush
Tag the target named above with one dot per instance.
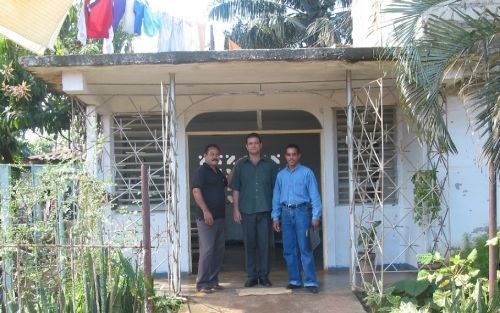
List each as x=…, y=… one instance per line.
x=453, y=288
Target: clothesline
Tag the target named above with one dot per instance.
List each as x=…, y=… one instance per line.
x=101, y=19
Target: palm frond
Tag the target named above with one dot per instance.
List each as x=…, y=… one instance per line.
x=226, y=10
x=430, y=49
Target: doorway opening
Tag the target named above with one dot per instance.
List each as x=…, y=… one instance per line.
x=228, y=131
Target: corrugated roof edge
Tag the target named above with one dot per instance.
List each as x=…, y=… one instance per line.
x=186, y=57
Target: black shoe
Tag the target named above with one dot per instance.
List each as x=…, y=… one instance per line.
x=251, y=282
x=292, y=286
x=313, y=289
x=265, y=282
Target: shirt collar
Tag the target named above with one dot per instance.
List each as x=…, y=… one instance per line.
x=209, y=168
x=296, y=168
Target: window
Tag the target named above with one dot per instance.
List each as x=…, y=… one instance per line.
x=389, y=156
x=137, y=140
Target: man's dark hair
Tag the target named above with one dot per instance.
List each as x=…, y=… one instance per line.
x=212, y=145
x=294, y=146
x=253, y=135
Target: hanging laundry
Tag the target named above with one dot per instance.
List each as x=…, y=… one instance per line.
x=191, y=38
x=139, y=16
x=81, y=36
x=202, y=30
x=171, y=36
x=129, y=17
x=107, y=43
x=98, y=17
x=233, y=45
x=152, y=21
x=118, y=11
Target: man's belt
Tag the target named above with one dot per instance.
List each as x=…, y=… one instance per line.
x=294, y=206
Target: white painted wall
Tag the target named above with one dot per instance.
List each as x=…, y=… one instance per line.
x=468, y=175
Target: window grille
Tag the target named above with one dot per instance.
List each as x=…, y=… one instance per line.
x=137, y=139
x=390, y=183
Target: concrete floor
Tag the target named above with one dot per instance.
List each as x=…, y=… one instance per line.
x=335, y=294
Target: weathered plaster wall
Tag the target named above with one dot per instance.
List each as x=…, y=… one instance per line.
x=468, y=175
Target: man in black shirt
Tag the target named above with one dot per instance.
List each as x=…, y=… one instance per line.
x=208, y=185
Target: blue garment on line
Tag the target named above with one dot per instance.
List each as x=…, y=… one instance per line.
x=296, y=187
x=118, y=11
x=152, y=21
x=139, y=16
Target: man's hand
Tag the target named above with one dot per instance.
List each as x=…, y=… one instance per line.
x=209, y=219
x=315, y=224
x=276, y=226
x=237, y=216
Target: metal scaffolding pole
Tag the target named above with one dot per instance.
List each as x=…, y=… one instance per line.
x=169, y=123
x=350, y=153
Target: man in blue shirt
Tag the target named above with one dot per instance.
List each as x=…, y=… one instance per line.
x=297, y=203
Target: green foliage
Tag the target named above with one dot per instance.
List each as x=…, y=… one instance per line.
x=367, y=237
x=478, y=242
x=426, y=196
x=63, y=263
x=266, y=24
x=449, y=289
x=25, y=103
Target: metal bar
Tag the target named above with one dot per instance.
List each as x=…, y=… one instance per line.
x=173, y=209
x=493, y=249
x=146, y=237
x=382, y=178
x=350, y=157
x=6, y=229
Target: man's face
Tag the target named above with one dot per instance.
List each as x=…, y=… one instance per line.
x=212, y=156
x=253, y=145
x=292, y=157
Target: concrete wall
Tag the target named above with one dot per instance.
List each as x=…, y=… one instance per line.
x=468, y=188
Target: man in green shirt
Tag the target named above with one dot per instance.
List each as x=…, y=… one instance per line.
x=252, y=182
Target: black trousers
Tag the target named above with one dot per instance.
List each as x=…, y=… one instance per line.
x=256, y=230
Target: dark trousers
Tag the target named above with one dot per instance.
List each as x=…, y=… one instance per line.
x=256, y=229
x=212, y=244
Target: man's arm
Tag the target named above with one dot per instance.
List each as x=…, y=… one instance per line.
x=276, y=212
x=312, y=187
x=236, y=207
x=198, y=198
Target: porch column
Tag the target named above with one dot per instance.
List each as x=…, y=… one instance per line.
x=107, y=156
x=350, y=156
x=91, y=131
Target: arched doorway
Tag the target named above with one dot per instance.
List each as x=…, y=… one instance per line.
x=228, y=130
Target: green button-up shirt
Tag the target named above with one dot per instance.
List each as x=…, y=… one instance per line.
x=255, y=184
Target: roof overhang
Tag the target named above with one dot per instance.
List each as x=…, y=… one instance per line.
x=97, y=78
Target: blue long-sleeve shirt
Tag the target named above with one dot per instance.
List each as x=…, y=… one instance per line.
x=296, y=187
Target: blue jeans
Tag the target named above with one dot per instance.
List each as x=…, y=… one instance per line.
x=295, y=225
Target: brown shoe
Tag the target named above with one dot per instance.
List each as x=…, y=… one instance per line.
x=218, y=287
x=205, y=290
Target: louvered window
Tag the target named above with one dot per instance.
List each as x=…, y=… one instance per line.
x=389, y=155
x=137, y=140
